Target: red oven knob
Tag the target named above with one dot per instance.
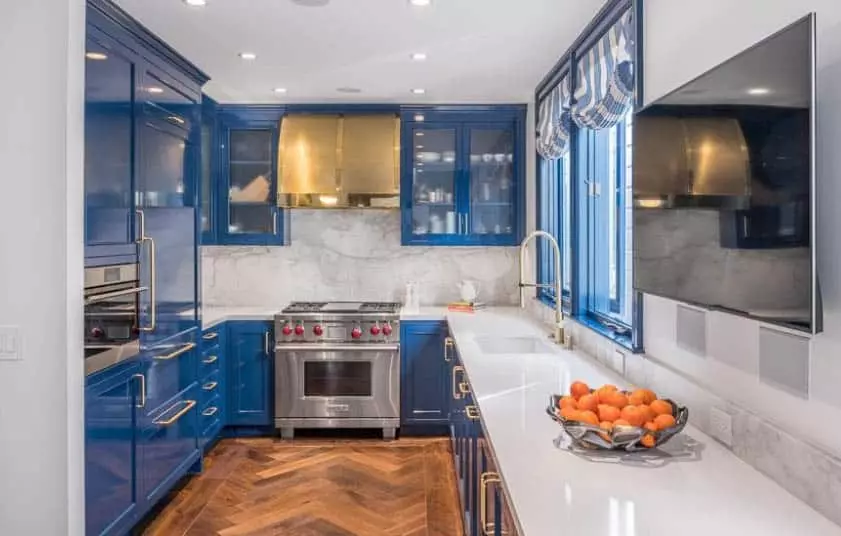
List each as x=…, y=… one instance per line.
x=356, y=333
x=287, y=330
x=318, y=330
x=387, y=330
x=299, y=329
x=97, y=333
x=375, y=330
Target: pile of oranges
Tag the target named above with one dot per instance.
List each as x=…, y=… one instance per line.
x=611, y=409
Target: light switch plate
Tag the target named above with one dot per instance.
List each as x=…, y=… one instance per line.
x=10, y=343
x=617, y=362
x=721, y=426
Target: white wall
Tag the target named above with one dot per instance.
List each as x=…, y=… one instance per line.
x=684, y=38
x=41, y=267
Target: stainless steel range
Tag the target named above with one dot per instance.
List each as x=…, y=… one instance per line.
x=337, y=365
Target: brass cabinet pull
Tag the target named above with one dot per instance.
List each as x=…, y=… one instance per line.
x=487, y=478
x=190, y=404
x=142, y=378
x=210, y=386
x=472, y=412
x=186, y=348
x=448, y=344
x=210, y=359
x=464, y=388
x=210, y=336
x=456, y=394
x=153, y=262
x=210, y=411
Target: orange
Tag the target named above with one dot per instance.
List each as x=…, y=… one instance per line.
x=651, y=426
x=605, y=390
x=621, y=422
x=608, y=413
x=646, y=395
x=588, y=417
x=608, y=429
x=588, y=403
x=664, y=421
x=647, y=412
x=615, y=399
x=633, y=415
x=569, y=414
x=579, y=389
x=636, y=399
x=568, y=402
x=648, y=441
x=661, y=407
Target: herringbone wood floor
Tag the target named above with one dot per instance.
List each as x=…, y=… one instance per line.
x=318, y=488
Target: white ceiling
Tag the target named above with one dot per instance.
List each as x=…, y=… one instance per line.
x=478, y=50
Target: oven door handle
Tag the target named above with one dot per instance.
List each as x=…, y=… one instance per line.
x=337, y=347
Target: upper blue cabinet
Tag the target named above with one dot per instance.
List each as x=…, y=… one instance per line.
x=462, y=178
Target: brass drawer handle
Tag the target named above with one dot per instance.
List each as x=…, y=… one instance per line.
x=210, y=386
x=472, y=412
x=484, y=480
x=464, y=388
x=210, y=359
x=190, y=404
x=210, y=411
x=210, y=336
x=186, y=348
x=456, y=394
x=448, y=345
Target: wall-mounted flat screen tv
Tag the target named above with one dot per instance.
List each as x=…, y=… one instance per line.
x=724, y=186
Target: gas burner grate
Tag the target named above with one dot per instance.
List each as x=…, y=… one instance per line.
x=304, y=307
x=380, y=307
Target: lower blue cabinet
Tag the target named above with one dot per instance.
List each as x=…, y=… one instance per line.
x=169, y=445
x=213, y=383
x=425, y=373
x=111, y=501
x=250, y=357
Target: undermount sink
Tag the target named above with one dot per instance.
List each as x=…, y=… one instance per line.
x=512, y=345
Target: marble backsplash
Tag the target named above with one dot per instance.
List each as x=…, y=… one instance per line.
x=352, y=255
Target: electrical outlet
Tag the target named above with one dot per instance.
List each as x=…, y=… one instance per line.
x=617, y=362
x=9, y=343
x=721, y=426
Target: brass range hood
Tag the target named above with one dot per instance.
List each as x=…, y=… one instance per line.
x=339, y=161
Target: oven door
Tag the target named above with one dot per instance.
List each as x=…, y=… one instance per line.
x=341, y=381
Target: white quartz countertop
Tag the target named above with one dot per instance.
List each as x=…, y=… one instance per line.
x=212, y=316
x=704, y=489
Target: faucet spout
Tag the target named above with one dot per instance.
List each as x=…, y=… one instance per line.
x=558, y=284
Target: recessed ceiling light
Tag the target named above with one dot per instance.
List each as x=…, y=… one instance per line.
x=759, y=91
x=196, y=3
x=418, y=91
x=248, y=56
x=96, y=56
x=155, y=90
x=346, y=89
x=280, y=90
x=418, y=146
x=419, y=118
x=420, y=3
x=419, y=134
x=419, y=56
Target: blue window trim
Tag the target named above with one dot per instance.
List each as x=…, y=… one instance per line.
x=606, y=326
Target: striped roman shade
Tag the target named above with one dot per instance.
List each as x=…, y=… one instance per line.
x=605, y=78
x=554, y=122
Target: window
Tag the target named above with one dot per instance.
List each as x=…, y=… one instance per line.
x=555, y=217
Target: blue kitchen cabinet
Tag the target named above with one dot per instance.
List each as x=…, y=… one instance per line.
x=463, y=438
x=213, y=375
x=210, y=162
x=424, y=370
x=247, y=182
x=250, y=359
x=495, y=516
x=110, y=74
x=111, y=400
x=462, y=175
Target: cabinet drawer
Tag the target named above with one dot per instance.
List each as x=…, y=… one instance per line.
x=169, y=368
x=210, y=419
x=211, y=338
x=210, y=387
x=210, y=362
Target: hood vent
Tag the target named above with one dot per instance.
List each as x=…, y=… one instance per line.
x=339, y=161
x=690, y=161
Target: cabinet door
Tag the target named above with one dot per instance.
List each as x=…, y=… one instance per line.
x=109, y=124
x=110, y=492
x=249, y=378
x=251, y=215
x=430, y=184
x=169, y=445
x=209, y=169
x=491, y=184
x=169, y=368
x=424, y=388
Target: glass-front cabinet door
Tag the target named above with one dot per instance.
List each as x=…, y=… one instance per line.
x=434, y=169
x=491, y=180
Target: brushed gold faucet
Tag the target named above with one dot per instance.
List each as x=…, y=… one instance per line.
x=558, y=332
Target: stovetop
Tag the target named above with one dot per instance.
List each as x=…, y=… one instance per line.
x=342, y=307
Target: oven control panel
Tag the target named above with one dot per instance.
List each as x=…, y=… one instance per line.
x=290, y=329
